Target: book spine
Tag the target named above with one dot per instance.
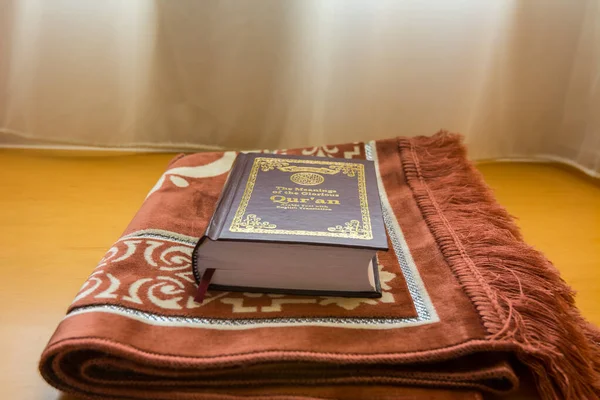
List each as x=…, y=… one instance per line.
x=215, y=226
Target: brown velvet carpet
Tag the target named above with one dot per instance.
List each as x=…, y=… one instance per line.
x=466, y=303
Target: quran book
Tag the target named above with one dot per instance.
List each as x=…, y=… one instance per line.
x=294, y=224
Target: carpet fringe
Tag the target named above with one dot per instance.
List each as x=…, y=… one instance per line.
x=518, y=293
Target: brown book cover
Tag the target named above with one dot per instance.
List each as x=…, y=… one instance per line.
x=296, y=200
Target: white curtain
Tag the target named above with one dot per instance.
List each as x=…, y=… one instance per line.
x=517, y=78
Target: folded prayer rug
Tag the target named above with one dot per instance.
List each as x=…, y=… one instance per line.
x=467, y=306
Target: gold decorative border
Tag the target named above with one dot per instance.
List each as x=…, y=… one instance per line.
x=365, y=233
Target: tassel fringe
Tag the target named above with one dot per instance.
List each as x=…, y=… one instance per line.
x=518, y=293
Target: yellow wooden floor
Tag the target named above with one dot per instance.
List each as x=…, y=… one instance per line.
x=59, y=213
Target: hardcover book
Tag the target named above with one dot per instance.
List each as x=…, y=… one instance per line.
x=294, y=224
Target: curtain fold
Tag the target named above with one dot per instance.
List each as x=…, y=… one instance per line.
x=519, y=79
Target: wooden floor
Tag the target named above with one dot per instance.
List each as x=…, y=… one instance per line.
x=59, y=213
